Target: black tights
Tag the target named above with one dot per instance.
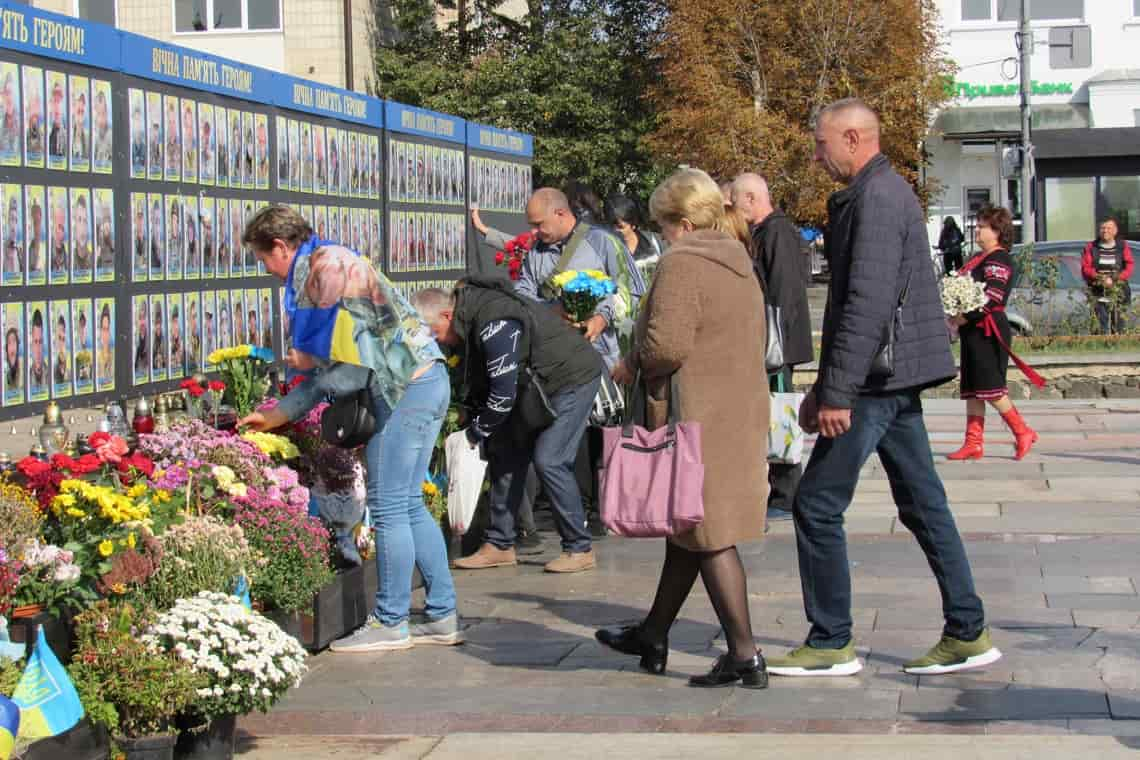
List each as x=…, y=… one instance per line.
x=727, y=587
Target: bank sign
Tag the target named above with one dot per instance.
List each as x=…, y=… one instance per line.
x=970, y=91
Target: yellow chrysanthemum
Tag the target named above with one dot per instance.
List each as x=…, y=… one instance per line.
x=430, y=488
x=131, y=540
x=453, y=361
x=106, y=547
x=119, y=588
x=137, y=490
x=559, y=280
x=273, y=445
x=596, y=274
x=65, y=500
x=162, y=496
x=76, y=512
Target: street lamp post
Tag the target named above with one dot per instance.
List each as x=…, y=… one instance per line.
x=1025, y=48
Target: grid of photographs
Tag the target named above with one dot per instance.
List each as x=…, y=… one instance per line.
x=323, y=160
x=419, y=173
x=360, y=229
x=49, y=119
x=426, y=241
x=411, y=287
x=190, y=237
x=499, y=185
x=172, y=334
x=57, y=349
x=179, y=139
x=56, y=235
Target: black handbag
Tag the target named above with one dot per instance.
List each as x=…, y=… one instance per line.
x=532, y=412
x=348, y=421
x=883, y=362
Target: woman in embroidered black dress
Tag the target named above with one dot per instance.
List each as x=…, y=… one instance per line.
x=985, y=338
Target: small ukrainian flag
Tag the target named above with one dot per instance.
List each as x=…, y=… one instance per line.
x=45, y=695
x=9, y=726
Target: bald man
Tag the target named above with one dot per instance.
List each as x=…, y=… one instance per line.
x=564, y=243
x=779, y=265
x=880, y=277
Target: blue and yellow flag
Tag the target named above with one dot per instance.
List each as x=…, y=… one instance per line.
x=9, y=726
x=45, y=695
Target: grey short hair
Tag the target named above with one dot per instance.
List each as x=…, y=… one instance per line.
x=429, y=302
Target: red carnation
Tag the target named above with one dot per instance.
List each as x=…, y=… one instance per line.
x=136, y=461
x=192, y=387
x=217, y=386
x=85, y=464
x=499, y=257
x=62, y=462
x=98, y=438
x=32, y=468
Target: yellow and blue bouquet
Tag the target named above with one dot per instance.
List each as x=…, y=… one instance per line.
x=582, y=291
x=245, y=370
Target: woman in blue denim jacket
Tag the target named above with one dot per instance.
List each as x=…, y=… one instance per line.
x=351, y=329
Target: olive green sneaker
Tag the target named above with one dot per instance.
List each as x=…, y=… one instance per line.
x=810, y=661
x=951, y=655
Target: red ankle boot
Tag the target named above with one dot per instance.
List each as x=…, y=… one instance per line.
x=975, y=434
x=1024, y=436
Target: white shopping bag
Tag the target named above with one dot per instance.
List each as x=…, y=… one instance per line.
x=785, y=436
x=465, y=471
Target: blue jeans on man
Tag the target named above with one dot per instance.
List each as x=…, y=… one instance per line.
x=553, y=455
x=891, y=425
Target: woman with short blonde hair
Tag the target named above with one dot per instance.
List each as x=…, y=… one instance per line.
x=703, y=322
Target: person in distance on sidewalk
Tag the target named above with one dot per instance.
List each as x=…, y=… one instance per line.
x=704, y=321
x=986, y=336
x=880, y=271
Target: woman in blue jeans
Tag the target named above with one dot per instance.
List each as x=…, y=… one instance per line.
x=351, y=330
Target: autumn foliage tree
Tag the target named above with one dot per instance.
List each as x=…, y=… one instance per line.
x=742, y=81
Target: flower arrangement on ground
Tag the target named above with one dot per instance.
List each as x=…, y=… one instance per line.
x=319, y=464
x=48, y=576
x=246, y=661
x=201, y=554
x=295, y=547
x=513, y=253
x=245, y=372
x=126, y=683
x=582, y=291
x=20, y=516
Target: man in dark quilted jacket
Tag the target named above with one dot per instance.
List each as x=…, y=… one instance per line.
x=883, y=293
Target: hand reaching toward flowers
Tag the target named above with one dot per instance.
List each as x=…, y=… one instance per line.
x=263, y=422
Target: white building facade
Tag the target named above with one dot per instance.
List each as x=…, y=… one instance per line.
x=1085, y=67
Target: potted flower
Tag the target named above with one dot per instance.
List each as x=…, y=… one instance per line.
x=201, y=554
x=20, y=517
x=246, y=662
x=128, y=684
x=48, y=580
x=334, y=477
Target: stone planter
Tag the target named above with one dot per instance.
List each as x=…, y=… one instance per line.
x=58, y=632
x=83, y=741
x=338, y=609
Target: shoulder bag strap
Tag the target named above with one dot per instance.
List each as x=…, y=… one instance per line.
x=674, y=403
x=637, y=397
x=570, y=249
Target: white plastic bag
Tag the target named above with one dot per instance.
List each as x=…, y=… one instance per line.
x=465, y=471
x=785, y=436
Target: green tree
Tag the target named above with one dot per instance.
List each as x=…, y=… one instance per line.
x=573, y=73
x=743, y=81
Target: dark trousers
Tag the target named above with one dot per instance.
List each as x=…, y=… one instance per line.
x=892, y=426
x=553, y=455
x=783, y=479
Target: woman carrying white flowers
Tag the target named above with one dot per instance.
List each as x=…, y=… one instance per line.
x=985, y=337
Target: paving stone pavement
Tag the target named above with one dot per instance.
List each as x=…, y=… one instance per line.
x=1054, y=541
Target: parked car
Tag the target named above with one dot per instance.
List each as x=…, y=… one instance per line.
x=1043, y=309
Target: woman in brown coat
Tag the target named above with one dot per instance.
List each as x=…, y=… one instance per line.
x=703, y=319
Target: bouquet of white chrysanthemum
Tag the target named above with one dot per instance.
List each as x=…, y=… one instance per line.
x=961, y=295
x=249, y=663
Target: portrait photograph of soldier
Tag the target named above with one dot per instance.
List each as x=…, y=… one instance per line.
x=136, y=104
x=156, y=152
x=102, y=137
x=57, y=120
x=12, y=205
x=38, y=370
x=33, y=121
x=13, y=328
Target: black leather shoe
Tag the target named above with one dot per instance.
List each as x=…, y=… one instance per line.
x=752, y=673
x=630, y=640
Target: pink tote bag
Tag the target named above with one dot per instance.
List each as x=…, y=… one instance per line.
x=651, y=481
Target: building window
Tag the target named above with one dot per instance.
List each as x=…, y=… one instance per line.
x=102, y=11
x=227, y=15
x=1039, y=10
x=1120, y=198
x=1070, y=206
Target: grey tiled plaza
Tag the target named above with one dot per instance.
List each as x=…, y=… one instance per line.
x=1055, y=545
